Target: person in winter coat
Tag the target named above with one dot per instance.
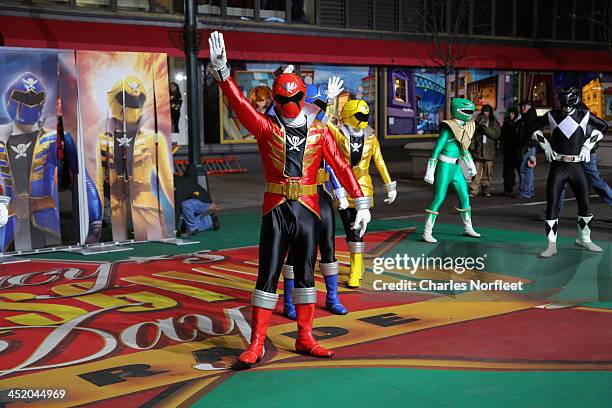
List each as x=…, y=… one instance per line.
x=527, y=149
x=483, y=148
x=512, y=149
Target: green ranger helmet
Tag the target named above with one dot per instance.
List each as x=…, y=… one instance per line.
x=462, y=109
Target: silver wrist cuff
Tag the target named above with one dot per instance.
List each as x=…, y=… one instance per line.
x=265, y=300
x=220, y=74
x=340, y=192
x=287, y=271
x=392, y=186
x=361, y=203
x=303, y=296
x=356, y=247
x=329, y=269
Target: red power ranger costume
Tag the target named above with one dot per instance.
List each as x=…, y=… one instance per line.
x=291, y=145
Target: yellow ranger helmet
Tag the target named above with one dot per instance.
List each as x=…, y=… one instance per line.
x=355, y=113
x=126, y=99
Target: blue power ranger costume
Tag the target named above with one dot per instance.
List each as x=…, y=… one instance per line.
x=327, y=186
x=28, y=168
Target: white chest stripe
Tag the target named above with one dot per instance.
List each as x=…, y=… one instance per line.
x=568, y=125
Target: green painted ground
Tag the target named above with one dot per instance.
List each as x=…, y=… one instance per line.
x=399, y=387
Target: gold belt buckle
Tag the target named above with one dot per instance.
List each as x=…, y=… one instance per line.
x=293, y=190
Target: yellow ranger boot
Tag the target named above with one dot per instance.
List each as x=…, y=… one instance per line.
x=357, y=266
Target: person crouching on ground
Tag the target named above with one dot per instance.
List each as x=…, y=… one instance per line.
x=483, y=148
x=198, y=215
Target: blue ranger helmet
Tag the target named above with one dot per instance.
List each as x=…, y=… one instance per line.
x=316, y=97
x=25, y=99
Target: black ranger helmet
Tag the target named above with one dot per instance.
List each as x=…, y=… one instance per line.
x=568, y=98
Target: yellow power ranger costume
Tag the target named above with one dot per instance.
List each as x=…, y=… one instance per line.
x=130, y=159
x=359, y=147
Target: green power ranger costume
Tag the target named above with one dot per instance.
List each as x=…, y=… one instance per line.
x=444, y=166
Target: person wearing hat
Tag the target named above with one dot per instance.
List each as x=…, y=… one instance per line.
x=483, y=148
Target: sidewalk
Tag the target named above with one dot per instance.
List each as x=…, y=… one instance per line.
x=238, y=191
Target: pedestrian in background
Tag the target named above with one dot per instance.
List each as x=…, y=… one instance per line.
x=512, y=150
x=483, y=149
x=176, y=101
x=528, y=150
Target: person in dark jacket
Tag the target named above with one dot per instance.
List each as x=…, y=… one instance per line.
x=527, y=149
x=512, y=149
x=483, y=148
x=176, y=101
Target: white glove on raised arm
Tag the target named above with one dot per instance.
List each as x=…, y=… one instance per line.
x=334, y=88
x=218, y=58
x=538, y=136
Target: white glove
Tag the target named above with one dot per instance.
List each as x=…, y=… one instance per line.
x=218, y=58
x=585, y=154
x=469, y=164
x=334, y=88
x=216, y=44
x=431, y=171
x=289, y=69
x=391, y=196
x=362, y=219
x=4, y=215
x=538, y=136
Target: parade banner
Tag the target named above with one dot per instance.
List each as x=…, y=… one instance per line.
x=33, y=84
x=125, y=122
x=255, y=80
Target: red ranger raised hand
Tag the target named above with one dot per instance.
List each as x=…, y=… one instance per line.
x=291, y=145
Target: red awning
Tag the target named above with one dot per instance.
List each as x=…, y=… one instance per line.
x=257, y=46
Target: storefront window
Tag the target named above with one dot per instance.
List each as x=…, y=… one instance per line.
x=140, y=5
x=240, y=8
x=209, y=7
x=564, y=19
x=482, y=17
x=165, y=6
x=51, y=2
x=273, y=10
x=545, y=20
x=269, y=10
x=93, y=3
x=503, y=18
x=524, y=18
x=400, y=89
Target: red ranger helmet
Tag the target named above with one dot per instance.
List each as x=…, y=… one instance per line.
x=288, y=91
